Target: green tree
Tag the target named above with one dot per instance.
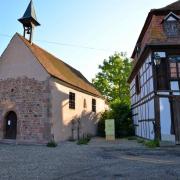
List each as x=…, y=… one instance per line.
x=111, y=81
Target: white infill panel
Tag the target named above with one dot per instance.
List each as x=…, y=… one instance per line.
x=165, y=120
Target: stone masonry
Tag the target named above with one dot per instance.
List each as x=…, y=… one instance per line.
x=29, y=99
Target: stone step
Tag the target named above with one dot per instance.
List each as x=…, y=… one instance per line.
x=167, y=143
x=8, y=141
x=17, y=142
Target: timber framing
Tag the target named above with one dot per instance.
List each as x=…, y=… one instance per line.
x=150, y=48
x=155, y=109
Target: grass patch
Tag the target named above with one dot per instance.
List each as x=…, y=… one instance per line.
x=84, y=140
x=148, y=143
x=51, y=144
x=132, y=138
x=141, y=141
x=152, y=144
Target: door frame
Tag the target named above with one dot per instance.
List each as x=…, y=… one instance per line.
x=176, y=121
x=5, y=125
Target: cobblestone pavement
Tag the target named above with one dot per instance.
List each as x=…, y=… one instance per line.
x=100, y=160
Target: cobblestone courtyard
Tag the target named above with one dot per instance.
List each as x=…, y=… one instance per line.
x=100, y=160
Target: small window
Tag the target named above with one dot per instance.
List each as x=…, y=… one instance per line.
x=84, y=104
x=138, y=86
x=171, y=28
x=173, y=70
x=72, y=100
x=93, y=105
x=171, y=25
x=174, y=65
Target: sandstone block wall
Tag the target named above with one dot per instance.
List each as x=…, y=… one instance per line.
x=29, y=99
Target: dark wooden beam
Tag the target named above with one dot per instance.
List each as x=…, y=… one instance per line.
x=157, y=126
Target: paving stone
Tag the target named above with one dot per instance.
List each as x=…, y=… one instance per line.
x=99, y=160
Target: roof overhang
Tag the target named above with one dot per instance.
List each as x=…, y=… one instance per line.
x=26, y=21
x=156, y=12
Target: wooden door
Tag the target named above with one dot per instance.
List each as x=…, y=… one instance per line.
x=176, y=115
x=11, y=126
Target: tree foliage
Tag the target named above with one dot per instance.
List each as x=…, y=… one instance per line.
x=111, y=81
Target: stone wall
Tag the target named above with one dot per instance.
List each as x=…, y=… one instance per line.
x=29, y=99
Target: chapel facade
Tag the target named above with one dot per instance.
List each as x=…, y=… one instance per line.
x=41, y=97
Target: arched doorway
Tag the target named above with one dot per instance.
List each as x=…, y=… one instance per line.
x=10, y=125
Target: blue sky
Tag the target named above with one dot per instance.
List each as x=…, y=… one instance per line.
x=105, y=25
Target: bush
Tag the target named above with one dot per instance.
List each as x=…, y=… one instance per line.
x=101, y=124
x=121, y=113
x=52, y=143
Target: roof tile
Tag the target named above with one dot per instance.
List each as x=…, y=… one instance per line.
x=61, y=70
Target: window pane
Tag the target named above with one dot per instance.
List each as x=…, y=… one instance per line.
x=72, y=100
x=172, y=65
x=173, y=75
x=93, y=105
x=174, y=85
x=173, y=70
x=174, y=58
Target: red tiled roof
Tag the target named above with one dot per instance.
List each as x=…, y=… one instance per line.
x=157, y=36
x=59, y=69
x=171, y=7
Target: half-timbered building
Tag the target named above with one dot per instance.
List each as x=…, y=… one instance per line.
x=155, y=78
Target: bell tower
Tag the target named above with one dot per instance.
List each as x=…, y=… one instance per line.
x=29, y=21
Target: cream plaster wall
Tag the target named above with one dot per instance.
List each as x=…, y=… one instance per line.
x=62, y=116
x=165, y=120
x=18, y=61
